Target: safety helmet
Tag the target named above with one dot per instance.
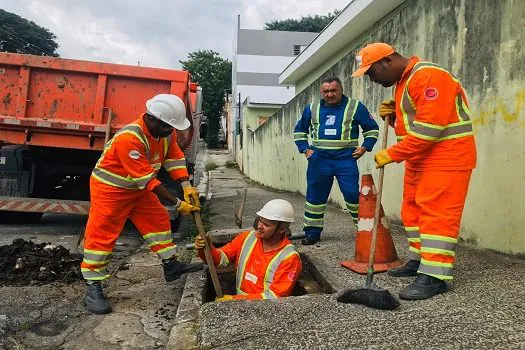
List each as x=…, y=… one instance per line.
x=170, y=109
x=277, y=210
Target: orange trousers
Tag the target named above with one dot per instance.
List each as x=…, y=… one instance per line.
x=110, y=208
x=433, y=203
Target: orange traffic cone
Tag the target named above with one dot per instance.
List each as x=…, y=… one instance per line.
x=385, y=255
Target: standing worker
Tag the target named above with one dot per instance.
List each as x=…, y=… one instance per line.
x=430, y=116
x=268, y=265
x=333, y=124
x=123, y=185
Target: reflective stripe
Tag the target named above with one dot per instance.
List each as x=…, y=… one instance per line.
x=173, y=164
x=224, y=259
x=345, y=141
x=246, y=251
x=437, y=269
x=438, y=245
x=95, y=274
x=156, y=237
x=285, y=253
x=95, y=257
x=112, y=179
x=313, y=222
x=463, y=127
x=168, y=252
x=371, y=133
x=347, y=122
x=315, y=208
x=300, y=136
x=352, y=207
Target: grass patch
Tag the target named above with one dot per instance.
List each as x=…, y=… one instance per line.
x=190, y=232
x=231, y=164
x=210, y=166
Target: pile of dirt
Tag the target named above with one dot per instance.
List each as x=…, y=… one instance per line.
x=27, y=263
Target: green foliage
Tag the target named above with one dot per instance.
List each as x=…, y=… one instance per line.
x=210, y=166
x=313, y=24
x=17, y=34
x=213, y=74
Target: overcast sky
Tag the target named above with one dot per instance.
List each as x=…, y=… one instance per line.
x=157, y=33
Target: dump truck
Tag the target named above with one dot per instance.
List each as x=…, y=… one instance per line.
x=55, y=117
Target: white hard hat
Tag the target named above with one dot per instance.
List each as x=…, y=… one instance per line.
x=277, y=210
x=170, y=109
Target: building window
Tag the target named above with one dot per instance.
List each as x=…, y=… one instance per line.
x=297, y=49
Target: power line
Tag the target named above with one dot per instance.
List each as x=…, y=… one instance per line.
x=15, y=45
x=21, y=40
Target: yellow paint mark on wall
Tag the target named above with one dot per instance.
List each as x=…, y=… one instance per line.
x=496, y=108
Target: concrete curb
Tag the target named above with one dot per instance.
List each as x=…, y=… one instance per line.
x=183, y=334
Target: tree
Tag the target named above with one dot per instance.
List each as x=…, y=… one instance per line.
x=213, y=74
x=313, y=24
x=17, y=34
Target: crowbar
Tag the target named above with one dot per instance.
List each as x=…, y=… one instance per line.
x=240, y=212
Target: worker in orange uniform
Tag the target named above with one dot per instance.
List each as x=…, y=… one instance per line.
x=267, y=262
x=431, y=120
x=123, y=185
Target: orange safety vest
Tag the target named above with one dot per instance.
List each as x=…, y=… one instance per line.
x=260, y=275
x=132, y=158
x=433, y=125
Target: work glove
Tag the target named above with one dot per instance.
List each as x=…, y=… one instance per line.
x=225, y=297
x=185, y=208
x=199, y=242
x=382, y=158
x=388, y=108
x=190, y=192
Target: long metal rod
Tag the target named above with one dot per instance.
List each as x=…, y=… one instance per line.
x=370, y=271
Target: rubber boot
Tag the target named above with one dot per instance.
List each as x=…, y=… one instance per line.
x=95, y=300
x=423, y=287
x=407, y=270
x=173, y=269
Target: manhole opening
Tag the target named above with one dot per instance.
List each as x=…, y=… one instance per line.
x=310, y=282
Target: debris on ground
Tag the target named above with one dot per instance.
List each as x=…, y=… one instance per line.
x=27, y=263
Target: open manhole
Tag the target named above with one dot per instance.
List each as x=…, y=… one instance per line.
x=310, y=281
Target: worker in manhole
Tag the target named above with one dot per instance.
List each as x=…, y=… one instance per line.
x=268, y=265
x=431, y=120
x=333, y=125
x=123, y=185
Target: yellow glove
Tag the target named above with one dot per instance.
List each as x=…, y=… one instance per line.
x=190, y=192
x=186, y=208
x=387, y=107
x=382, y=158
x=199, y=242
x=225, y=297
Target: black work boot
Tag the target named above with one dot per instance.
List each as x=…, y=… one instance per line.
x=310, y=240
x=407, y=270
x=95, y=300
x=423, y=287
x=173, y=269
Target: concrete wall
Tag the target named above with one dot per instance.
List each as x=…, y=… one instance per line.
x=480, y=41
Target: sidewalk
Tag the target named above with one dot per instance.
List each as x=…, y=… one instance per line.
x=484, y=309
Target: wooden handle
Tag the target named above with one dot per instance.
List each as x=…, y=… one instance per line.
x=377, y=210
x=207, y=252
x=240, y=213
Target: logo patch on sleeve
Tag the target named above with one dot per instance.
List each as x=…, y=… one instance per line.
x=134, y=154
x=292, y=275
x=431, y=93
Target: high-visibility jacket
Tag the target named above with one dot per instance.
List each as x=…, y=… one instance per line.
x=334, y=130
x=132, y=159
x=260, y=274
x=432, y=123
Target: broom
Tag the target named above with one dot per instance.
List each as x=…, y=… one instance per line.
x=372, y=295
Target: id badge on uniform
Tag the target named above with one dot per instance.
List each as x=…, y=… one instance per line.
x=251, y=277
x=330, y=132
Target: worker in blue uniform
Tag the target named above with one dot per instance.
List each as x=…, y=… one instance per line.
x=333, y=126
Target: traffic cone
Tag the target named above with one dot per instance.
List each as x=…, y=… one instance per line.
x=385, y=254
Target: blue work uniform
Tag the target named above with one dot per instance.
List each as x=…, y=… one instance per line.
x=334, y=133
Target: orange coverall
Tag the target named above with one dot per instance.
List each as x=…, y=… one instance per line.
x=436, y=141
x=121, y=185
x=260, y=274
